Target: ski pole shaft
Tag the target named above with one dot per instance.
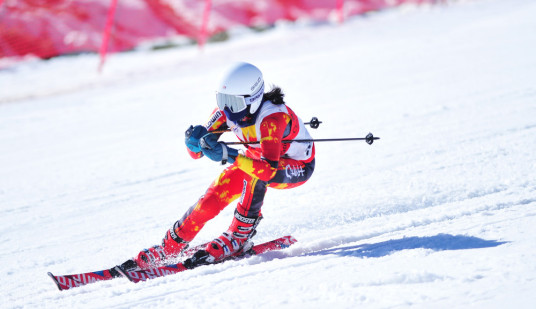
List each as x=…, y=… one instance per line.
x=369, y=139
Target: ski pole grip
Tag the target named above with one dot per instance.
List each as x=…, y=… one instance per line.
x=188, y=132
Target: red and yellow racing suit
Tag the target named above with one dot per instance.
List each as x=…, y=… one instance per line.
x=270, y=164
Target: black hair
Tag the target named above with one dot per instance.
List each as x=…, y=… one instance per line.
x=275, y=96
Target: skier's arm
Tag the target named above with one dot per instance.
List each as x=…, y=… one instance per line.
x=272, y=129
x=217, y=121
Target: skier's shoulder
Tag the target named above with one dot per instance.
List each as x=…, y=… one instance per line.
x=270, y=110
x=273, y=116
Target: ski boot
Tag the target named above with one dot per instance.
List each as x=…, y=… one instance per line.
x=235, y=240
x=172, y=246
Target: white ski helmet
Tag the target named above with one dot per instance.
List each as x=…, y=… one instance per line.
x=241, y=86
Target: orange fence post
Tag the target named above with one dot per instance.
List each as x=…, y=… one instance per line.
x=340, y=10
x=106, y=33
x=204, y=25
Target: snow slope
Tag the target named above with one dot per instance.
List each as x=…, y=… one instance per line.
x=439, y=213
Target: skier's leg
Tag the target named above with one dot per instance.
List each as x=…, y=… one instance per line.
x=221, y=192
x=247, y=217
x=291, y=173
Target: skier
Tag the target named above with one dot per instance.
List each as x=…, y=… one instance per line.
x=254, y=116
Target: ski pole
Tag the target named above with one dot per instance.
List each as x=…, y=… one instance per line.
x=314, y=124
x=369, y=139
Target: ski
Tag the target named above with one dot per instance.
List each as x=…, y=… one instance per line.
x=72, y=281
x=65, y=282
x=143, y=275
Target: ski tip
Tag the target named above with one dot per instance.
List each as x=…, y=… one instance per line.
x=290, y=240
x=55, y=280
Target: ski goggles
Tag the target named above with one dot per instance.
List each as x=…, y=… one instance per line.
x=237, y=103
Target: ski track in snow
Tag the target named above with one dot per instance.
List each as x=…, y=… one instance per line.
x=440, y=212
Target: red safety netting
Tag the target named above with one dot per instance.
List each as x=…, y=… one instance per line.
x=48, y=28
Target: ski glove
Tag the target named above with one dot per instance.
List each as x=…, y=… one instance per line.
x=217, y=151
x=193, y=134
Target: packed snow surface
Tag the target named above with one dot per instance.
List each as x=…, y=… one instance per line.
x=438, y=213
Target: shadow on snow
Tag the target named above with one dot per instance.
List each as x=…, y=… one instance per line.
x=439, y=242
